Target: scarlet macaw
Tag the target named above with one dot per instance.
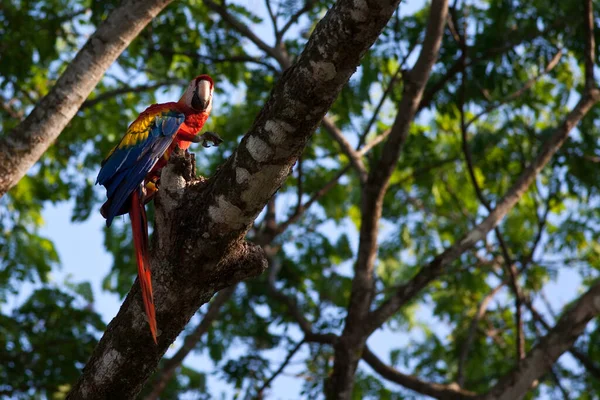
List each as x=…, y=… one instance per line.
x=130, y=171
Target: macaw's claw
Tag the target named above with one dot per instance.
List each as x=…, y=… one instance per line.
x=208, y=137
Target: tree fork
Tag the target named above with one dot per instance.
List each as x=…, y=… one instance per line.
x=199, y=247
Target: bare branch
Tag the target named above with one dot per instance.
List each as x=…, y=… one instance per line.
x=273, y=18
x=543, y=356
x=284, y=364
x=25, y=144
x=347, y=149
x=308, y=5
x=378, y=139
x=439, y=391
x=245, y=31
x=508, y=262
x=375, y=115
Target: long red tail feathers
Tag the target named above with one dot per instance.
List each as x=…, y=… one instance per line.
x=139, y=225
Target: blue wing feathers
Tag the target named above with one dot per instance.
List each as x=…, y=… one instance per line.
x=126, y=167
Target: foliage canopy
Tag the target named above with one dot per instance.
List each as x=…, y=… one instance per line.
x=507, y=74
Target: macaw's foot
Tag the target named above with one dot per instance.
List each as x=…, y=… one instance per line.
x=208, y=137
x=150, y=189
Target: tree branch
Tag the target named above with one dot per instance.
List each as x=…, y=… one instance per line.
x=354, y=156
x=245, y=31
x=450, y=392
x=284, y=364
x=308, y=4
x=454, y=69
x=243, y=58
x=588, y=364
x=436, y=267
x=25, y=144
x=200, y=224
x=8, y=108
x=375, y=115
x=590, y=44
x=508, y=262
x=543, y=356
x=349, y=347
x=290, y=302
x=273, y=18
x=556, y=379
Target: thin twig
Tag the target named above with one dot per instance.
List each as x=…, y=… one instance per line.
x=508, y=262
x=247, y=32
x=234, y=59
x=455, y=68
x=7, y=106
x=284, y=364
x=556, y=378
x=375, y=115
x=308, y=5
x=378, y=139
x=273, y=18
x=516, y=94
x=353, y=156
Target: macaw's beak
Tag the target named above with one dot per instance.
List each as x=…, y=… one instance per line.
x=202, y=96
x=198, y=103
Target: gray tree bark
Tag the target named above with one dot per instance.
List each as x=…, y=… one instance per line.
x=24, y=145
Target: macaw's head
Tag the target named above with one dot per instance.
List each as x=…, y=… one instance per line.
x=199, y=93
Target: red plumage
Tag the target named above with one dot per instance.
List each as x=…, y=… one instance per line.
x=131, y=171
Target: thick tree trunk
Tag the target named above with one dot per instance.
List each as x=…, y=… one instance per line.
x=199, y=247
x=24, y=145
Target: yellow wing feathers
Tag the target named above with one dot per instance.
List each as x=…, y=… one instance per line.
x=138, y=131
